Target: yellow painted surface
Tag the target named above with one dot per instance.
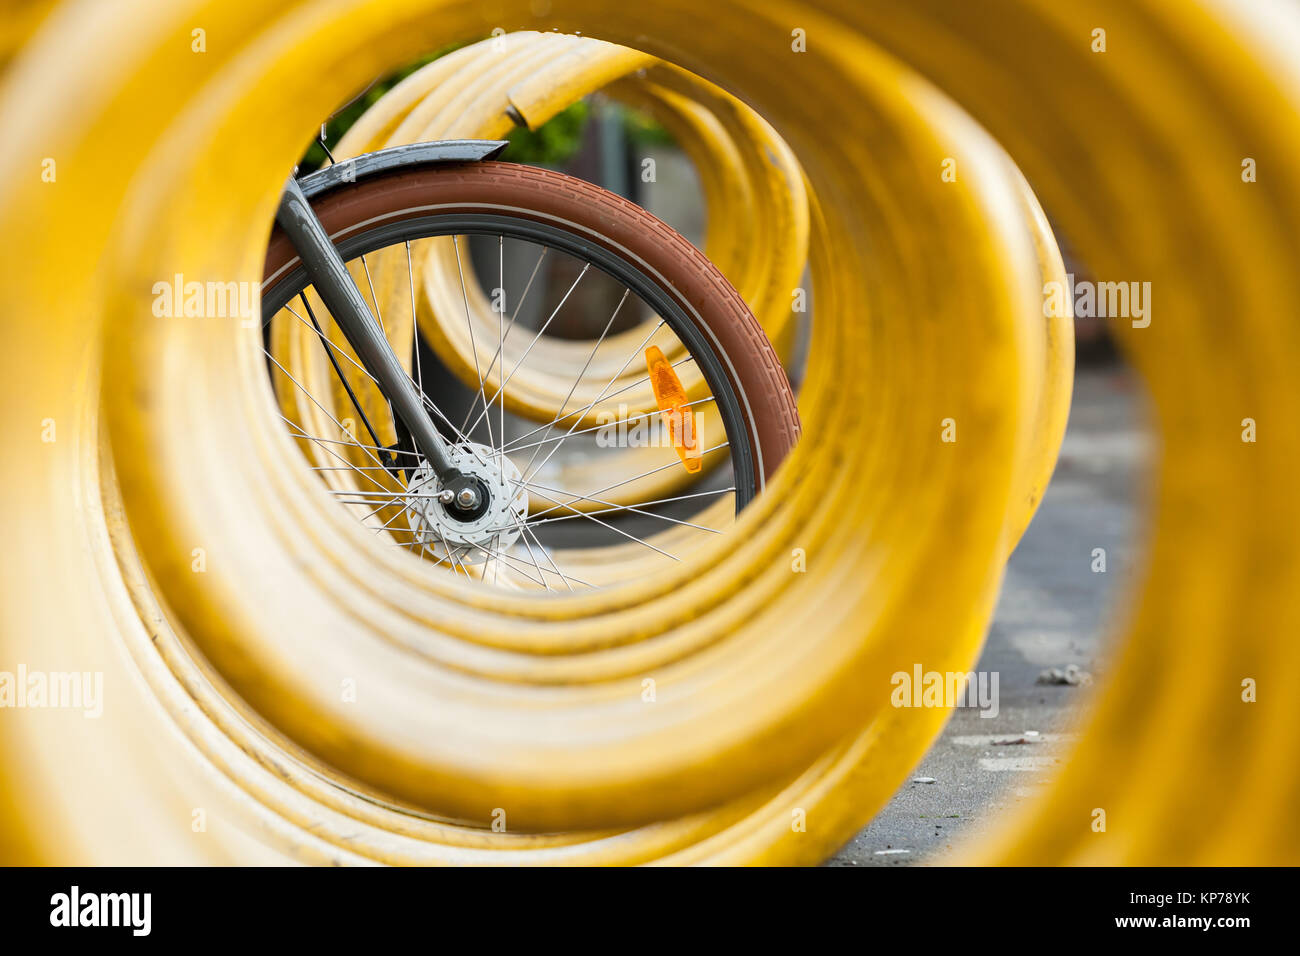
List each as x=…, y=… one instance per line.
x=222, y=688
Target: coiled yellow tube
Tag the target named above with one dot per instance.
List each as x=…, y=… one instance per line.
x=770, y=686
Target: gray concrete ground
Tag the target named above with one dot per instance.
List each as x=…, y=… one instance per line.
x=1054, y=611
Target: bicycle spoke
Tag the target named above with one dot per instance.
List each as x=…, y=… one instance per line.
x=500, y=353
x=542, y=489
x=342, y=430
x=619, y=484
x=589, y=406
x=473, y=346
x=603, y=524
x=585, y=365
x=612, y=424
x=338, y=370
x=515, y=565
x=303, y=434
x=501, y=341
x=539, y=334
x=640, y=504
x=415, y=324
x=524, y=531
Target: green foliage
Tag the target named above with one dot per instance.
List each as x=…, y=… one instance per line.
x=553, y=143
x=642, y=130
x=342, y=121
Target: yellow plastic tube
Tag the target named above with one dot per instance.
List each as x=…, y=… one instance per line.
x=765, y=734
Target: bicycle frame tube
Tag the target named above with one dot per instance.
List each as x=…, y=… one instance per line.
x=333, y=282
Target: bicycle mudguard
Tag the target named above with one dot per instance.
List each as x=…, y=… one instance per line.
x=405, y=157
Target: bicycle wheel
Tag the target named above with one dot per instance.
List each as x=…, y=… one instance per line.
x=702, y=391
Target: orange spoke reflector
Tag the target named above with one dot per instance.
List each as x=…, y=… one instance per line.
x=677, y=413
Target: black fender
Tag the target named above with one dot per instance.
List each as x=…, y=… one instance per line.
x=412, y=155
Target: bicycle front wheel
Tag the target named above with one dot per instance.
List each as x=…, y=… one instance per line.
x=673, y=422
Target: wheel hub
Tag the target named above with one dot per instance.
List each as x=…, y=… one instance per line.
x=475, y=514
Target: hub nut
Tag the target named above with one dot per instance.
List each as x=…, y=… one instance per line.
x=474, y=515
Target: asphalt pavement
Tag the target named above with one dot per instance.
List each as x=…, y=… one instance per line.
x=1055, y=611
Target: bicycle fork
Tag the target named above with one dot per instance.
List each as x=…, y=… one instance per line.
x=325, y=267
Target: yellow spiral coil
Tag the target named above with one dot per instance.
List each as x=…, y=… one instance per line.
x=770, y=704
